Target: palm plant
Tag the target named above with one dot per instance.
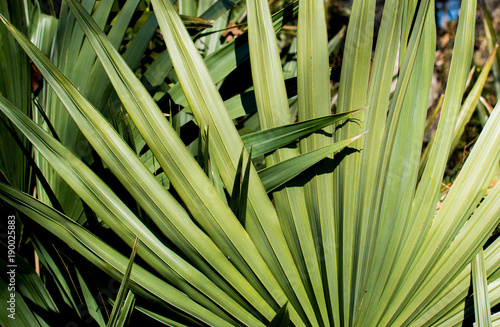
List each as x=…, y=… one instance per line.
x=358, y=238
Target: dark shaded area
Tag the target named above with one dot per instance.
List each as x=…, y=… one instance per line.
x=51, y=7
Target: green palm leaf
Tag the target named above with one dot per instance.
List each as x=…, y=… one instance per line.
x=481, y=298
x=271, y=139
x=278, y=174
x=105, y=256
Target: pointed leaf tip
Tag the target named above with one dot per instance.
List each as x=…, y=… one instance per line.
x=357, y=137
x=358, y=110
